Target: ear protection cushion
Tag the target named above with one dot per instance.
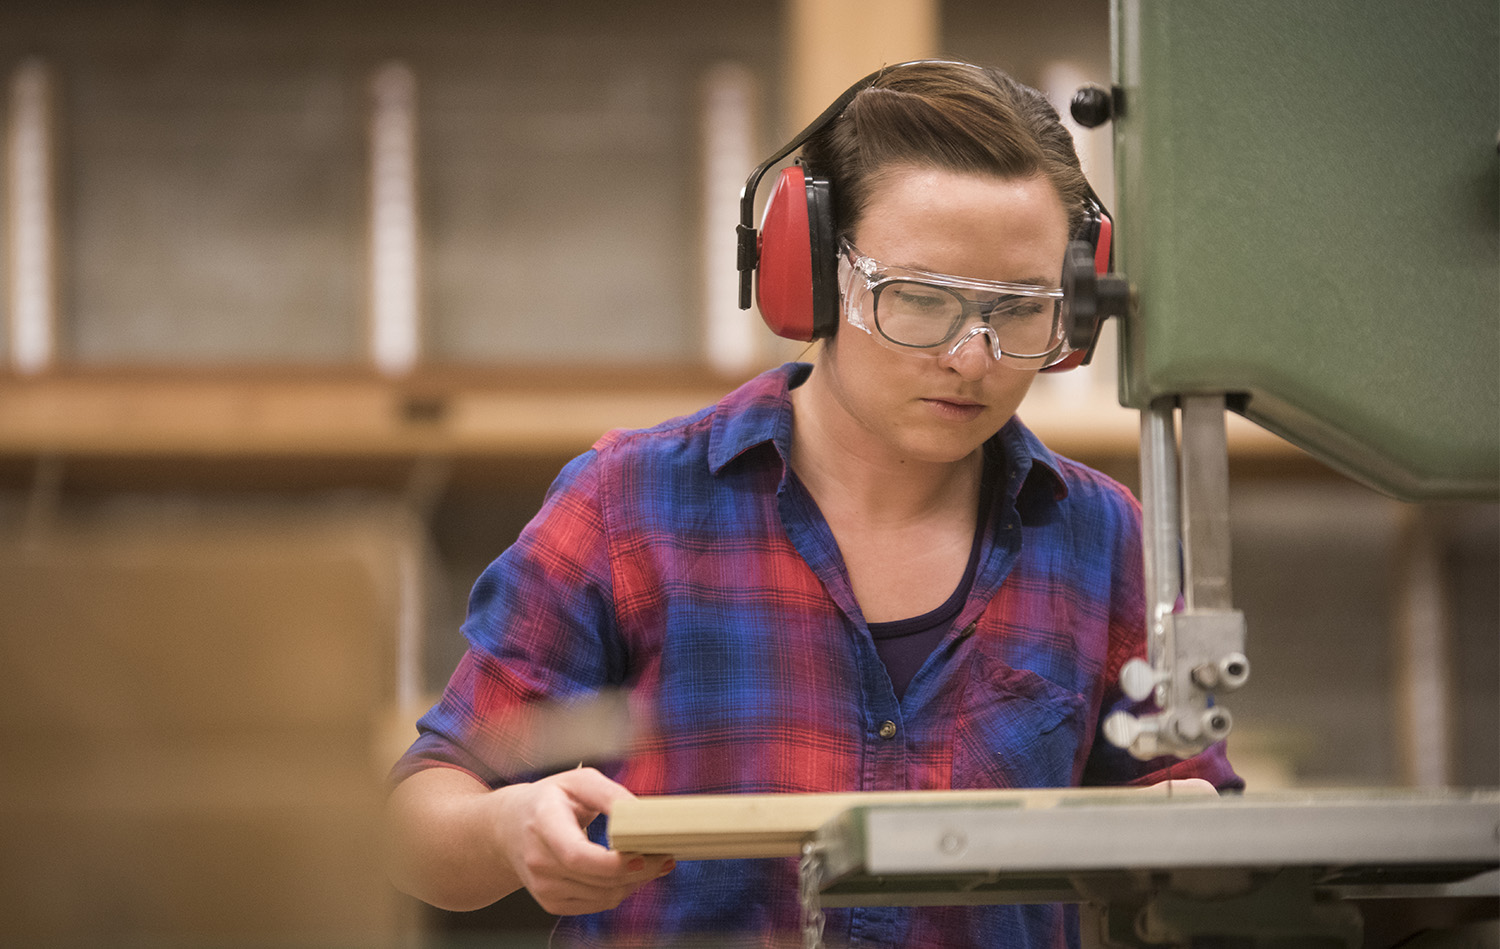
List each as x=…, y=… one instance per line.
x=796, y=280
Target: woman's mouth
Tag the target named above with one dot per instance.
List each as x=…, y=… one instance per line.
x=954, y=410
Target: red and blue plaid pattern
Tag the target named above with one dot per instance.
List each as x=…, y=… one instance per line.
x=688, y=566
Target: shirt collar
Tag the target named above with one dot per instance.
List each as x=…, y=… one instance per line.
x=1033, y=473
x=760, y=411
x=757, y=412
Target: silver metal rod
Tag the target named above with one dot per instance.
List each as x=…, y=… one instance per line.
x=1159, y=522
x=1205, y=503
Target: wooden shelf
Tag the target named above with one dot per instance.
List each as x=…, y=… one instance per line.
x=245, y=414
x=336, y=425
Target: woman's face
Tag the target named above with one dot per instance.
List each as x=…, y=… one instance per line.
x=935, y=406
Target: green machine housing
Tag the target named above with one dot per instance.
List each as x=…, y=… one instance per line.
x=1308, y=213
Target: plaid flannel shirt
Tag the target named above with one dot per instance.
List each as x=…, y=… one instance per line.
x=687, y=566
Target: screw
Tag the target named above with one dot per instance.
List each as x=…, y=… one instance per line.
x=952, y=844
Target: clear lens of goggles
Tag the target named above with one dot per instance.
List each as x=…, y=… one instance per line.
x=916, y=310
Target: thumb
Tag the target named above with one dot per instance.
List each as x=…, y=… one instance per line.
x=590, y=792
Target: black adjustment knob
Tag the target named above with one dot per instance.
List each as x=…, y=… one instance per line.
x=1080, y=287
x=1092, y=106
x=1089, y=297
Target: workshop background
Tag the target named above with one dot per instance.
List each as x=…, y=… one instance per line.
x=305, y=304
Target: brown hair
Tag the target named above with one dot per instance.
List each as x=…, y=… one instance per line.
x=945, y=115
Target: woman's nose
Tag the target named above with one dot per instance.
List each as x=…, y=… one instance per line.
x=975, y=353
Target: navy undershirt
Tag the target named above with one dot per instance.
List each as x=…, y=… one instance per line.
x=904, y=644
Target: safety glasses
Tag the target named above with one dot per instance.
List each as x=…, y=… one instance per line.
x=927, y=314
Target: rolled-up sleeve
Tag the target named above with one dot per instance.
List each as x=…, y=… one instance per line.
x=541, y=631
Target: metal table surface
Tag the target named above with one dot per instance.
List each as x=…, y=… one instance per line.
x=1348, y=843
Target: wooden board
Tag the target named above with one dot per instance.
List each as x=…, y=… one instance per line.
x=731, y=826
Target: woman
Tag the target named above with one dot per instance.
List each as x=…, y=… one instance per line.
x=864, y=574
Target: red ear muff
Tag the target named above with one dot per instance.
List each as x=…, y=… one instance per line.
x=783, y=278
x=796, y=280
x=793, y=267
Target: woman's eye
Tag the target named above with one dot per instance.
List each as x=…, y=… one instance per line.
x=916, y=301
x=1016, y=308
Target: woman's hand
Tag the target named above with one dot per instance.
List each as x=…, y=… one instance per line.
x=541, y=829
x=458, y=845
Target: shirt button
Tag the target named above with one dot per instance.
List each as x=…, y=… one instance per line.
x=888, y=730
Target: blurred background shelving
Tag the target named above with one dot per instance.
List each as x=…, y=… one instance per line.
x=307, y=303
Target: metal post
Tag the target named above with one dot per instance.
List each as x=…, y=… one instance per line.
x=1205, y=511
x=1159, y=521
x=1195, y=640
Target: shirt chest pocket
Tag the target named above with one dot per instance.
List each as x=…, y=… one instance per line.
x=1015, y=729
